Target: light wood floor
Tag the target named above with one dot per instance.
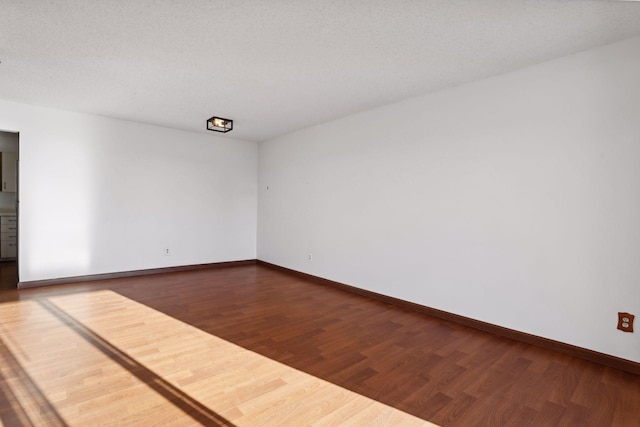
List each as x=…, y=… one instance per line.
x=251, y=346
x=98, y=358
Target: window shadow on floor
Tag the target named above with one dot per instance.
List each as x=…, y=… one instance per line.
x=18, y=390
x=172, y=394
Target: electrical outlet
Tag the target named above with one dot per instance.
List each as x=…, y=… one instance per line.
x=167, y=252
x=625, y=322
x=309, y=257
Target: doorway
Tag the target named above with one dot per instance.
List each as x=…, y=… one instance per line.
x=9, y=201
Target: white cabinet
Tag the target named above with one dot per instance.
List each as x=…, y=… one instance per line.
x=9, y=177
x=8, y=237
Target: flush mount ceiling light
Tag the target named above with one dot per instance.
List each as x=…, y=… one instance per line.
x=218, y=124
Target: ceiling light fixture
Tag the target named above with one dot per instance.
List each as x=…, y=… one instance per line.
x=218, y=124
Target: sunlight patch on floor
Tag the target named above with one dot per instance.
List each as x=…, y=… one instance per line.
x=100, y=358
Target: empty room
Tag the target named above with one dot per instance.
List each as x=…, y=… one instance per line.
x=332, y=213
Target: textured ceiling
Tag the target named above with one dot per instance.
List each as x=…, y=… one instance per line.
x=278, y=65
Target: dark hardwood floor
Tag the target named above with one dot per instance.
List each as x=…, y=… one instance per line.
x=8, y=276
x=439, y=371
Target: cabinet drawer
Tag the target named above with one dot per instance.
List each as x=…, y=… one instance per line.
x=8, y=228
x=9, y=236
x=8, y=220
x=8, y=249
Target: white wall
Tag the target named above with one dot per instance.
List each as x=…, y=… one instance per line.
x=513, y=200
x=100, y=195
